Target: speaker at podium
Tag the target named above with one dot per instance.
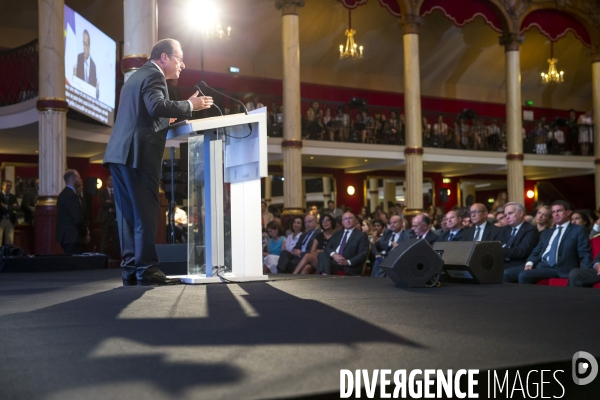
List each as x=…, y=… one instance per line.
x=413, y=264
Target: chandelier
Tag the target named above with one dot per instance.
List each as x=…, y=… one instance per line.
x=209, y=23
x=553, y=75
x=351, y=51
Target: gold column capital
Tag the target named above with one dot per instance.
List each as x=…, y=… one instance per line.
x=595, y=53
x=288, y=6
x=410, y=23
x=511, y=41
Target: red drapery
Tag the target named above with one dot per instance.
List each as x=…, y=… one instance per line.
x=555, y=24
x=464, y=11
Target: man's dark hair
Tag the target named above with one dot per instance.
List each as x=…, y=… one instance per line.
x=378, y=221
x=561, y=203
x=425, y=219
x=69, y=175
x=85, y=32
x=329, y=202
x=163, y=46
x=5, y=182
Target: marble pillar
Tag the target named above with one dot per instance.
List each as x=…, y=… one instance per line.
x=373, y=194
x=292, y=139
x=140, y=33
x=514, y=118
x=326, y=190
x=52, y=107
x=413, y=150
x=268, y=190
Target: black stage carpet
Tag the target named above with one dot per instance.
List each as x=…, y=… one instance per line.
x=81, y=335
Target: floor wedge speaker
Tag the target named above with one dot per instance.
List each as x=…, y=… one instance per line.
x=413, y=263
x=471, y=262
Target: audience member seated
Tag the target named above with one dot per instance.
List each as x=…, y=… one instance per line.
x=580, y=277
x=275, y=246
x=582, y=218
x=386, y=243
x=378, y=228
x=265, y=214
x=500, y=218
x=254, y=104
x=308, y=264
x=493, y=136
x=441, y=134
x=585, y=124
x=454, y=228
x=482, y=230
x=390, y=129
x=542, y=218
x=421, y=229
x=308, y=242
x=560, y=249
x=346, y=251
x=366, y=124
x=297, y=229
x=518, y=238
x=332, y=210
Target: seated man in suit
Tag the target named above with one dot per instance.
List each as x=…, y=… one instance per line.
x=310, y=241
x=421, y=229
x=346, y=250
x=454, y=232
x=518, y=238
x=482, y=230
x=560, y=249
x=71, y=231
x=580, y=277
x=390, y=239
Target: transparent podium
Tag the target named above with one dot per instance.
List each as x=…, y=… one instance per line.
x=227, y=156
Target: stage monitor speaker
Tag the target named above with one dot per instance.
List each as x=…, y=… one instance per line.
x=471, y=262
x=413, y=263
x=172, y=258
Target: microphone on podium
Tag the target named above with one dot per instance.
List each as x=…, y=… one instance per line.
x=200, y=91
x=202, y=83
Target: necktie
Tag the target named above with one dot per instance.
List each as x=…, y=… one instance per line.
x=86, y=72
x=305, y=241
x=513, y=235
x=451, y=237
x=476, y=237
x=554, y=249
x=343, y=243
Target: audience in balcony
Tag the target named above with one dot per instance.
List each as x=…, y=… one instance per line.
x=440, y=133
x=493, y=134
x=586, y=132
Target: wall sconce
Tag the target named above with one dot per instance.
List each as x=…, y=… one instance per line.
x=530, y=194
x=351, y=190
x=98, y=183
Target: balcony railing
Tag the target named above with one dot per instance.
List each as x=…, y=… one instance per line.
x=19, y=74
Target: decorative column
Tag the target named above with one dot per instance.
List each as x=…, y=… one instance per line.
x=140, y=34
x=389, y=193
x=514, y=117
x=52, y=107
x=373, y=193
x=326, y=190
x=292, y=139
x=596, y=110
x=413, y=152
x=268, y=191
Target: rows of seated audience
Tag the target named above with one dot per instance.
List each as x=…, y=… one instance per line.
x=551, y=242
x=467, y=131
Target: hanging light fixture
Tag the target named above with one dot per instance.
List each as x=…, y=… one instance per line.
x=553, y=75
x=209, y=24
x=352, y=51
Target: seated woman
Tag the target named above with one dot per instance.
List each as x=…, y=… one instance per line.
x=297, y=229
x=275, y=245
x=309, y=262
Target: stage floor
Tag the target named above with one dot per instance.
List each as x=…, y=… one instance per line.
x=81, y=335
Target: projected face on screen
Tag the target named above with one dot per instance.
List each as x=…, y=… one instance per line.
x=90, y=58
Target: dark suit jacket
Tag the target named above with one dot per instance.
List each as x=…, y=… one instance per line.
x=81, y=71
x=382, y=245
x=139, y=134
x=104, y=215
x=527, y=238
x=318, y=236
x=491, y=233
x=430, y=237
x=70, y=222
x=10, y=207
x=444, y=236
x=355, y=251
x=573, y=250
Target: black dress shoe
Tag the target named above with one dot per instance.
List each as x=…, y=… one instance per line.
x=157, y=278
x=129, y=279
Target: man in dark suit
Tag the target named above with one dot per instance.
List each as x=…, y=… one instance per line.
x=71, y=231
x=579, y=277
x=134, y=156
x=454, y=232
x=560, y=249
x=8, y=217
x=421, y=229
x=482, y=230
x=311, y=239
x=86, y=67
x=107, y=216
x=518, y=238
x=346, y=250
x=390, y=239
